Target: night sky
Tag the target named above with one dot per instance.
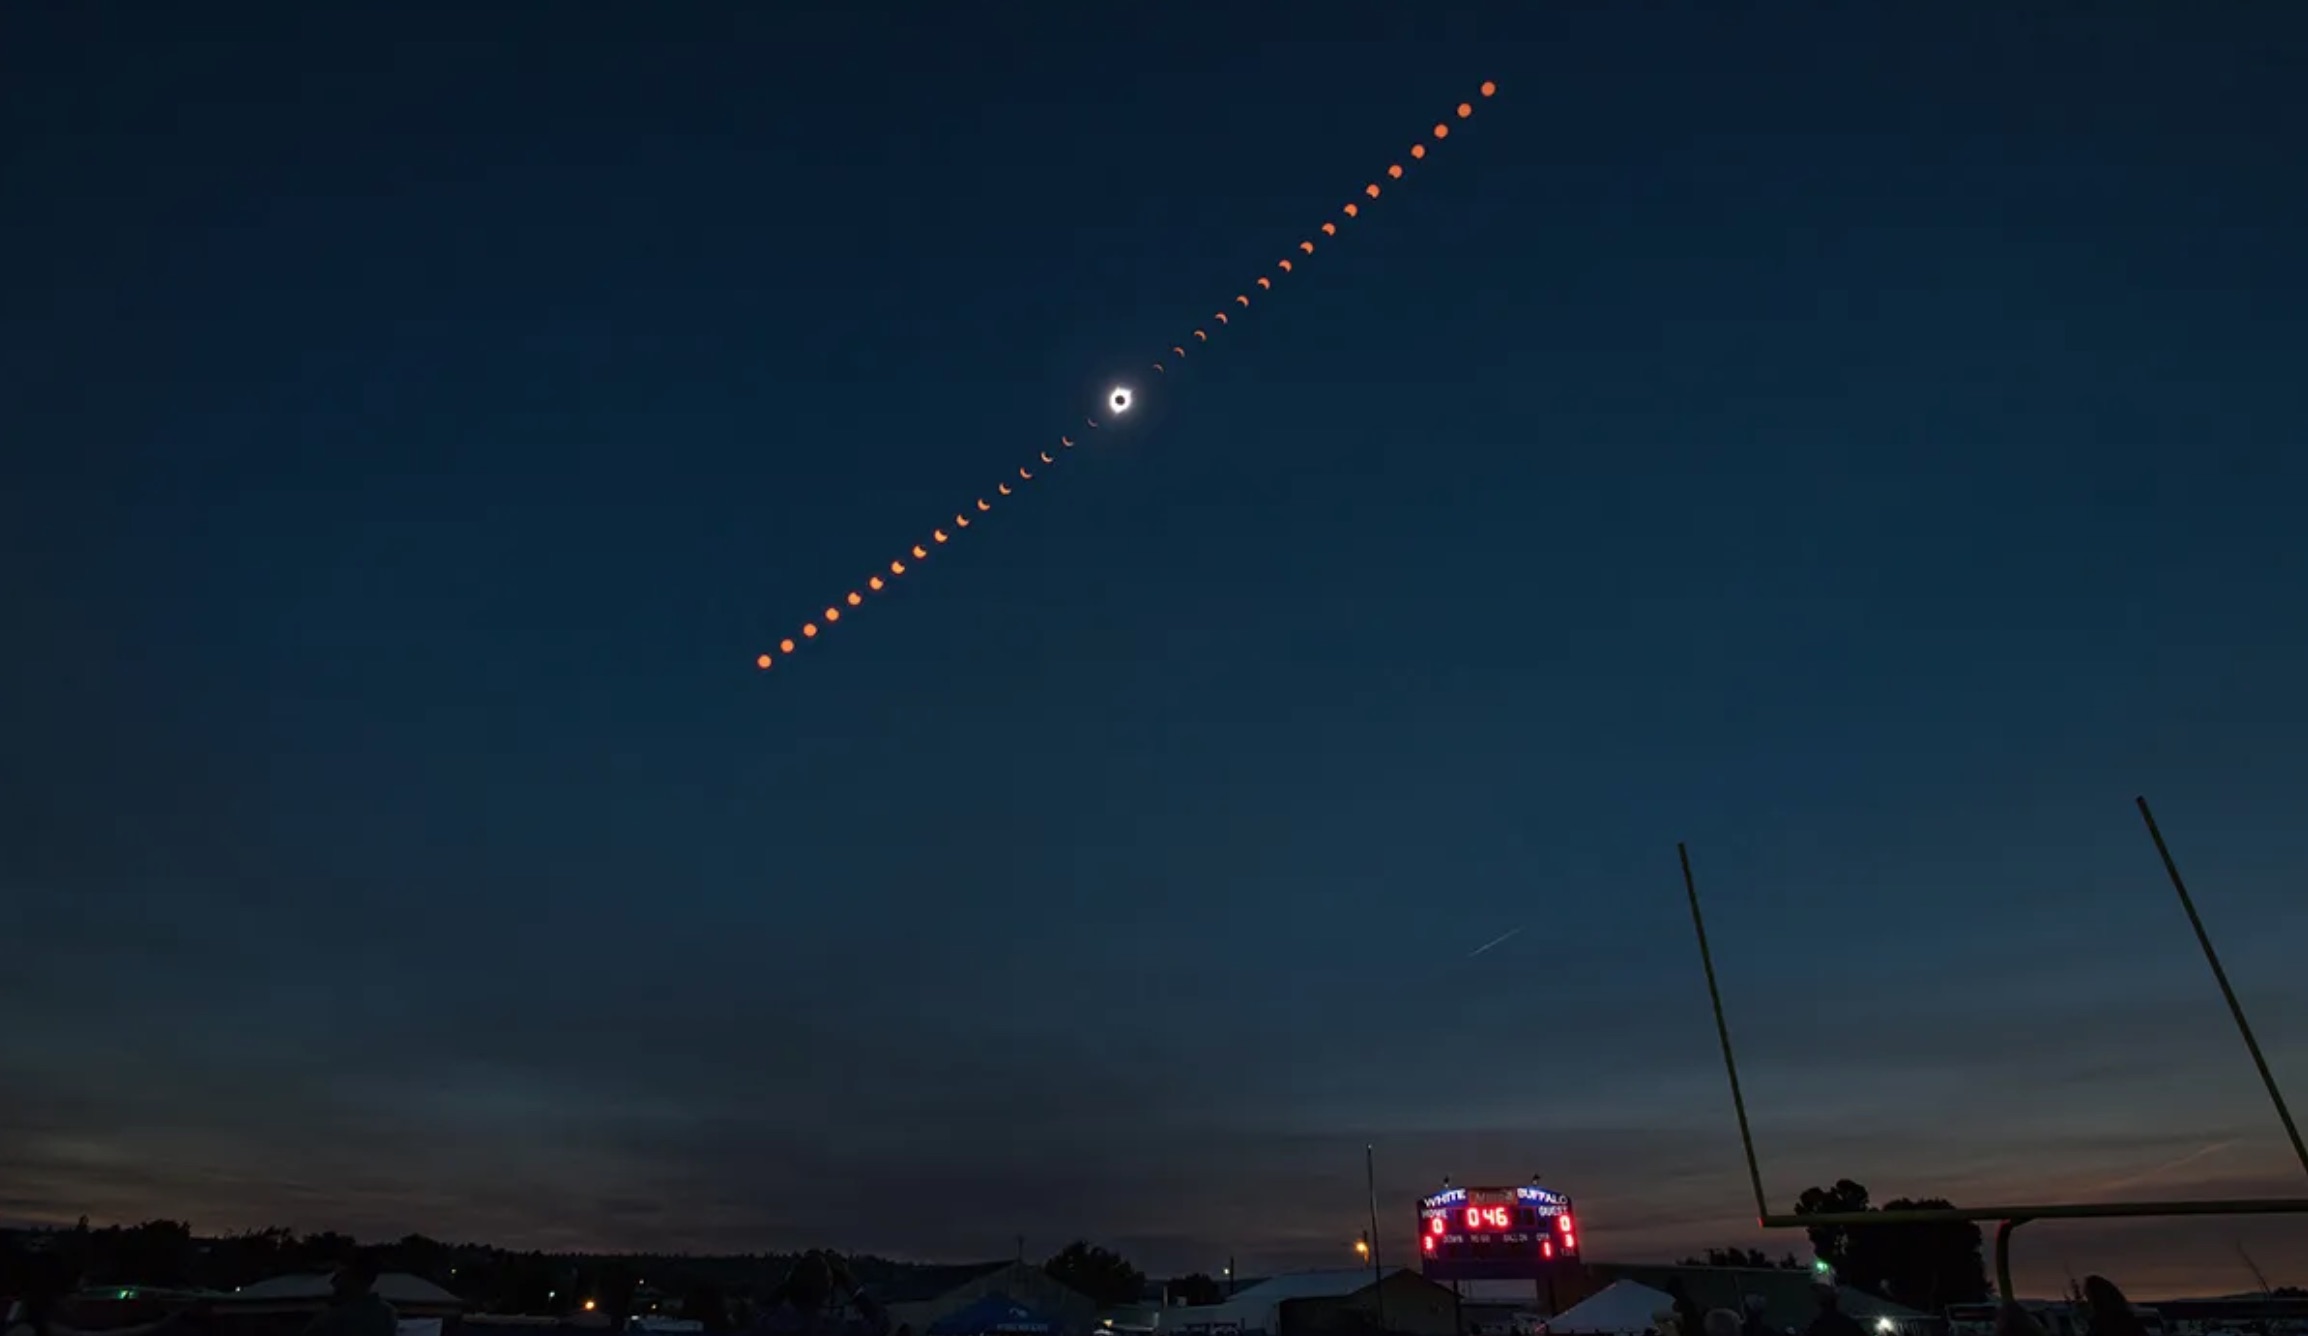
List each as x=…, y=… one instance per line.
x=1861, y=441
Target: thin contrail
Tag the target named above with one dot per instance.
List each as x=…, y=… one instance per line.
x=1492, y=942
x=2160, y=1170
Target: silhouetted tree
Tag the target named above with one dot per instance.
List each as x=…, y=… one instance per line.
x=248, y=1257
x=530, y=1283
x=157, y=1253
x=706, y=1304
x=610, y=1285
x=1930, y=1266
x=1832, y=1242
x=1196, y=1289
x=419, y=1256
x=1925, y=1266
x=1098, y=1273
x=325, y=1250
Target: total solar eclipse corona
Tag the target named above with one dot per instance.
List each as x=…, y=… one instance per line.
x=1117, y=402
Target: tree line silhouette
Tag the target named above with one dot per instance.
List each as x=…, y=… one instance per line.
x=723, y=1292
x=1926, y=1266
x=165, y=1254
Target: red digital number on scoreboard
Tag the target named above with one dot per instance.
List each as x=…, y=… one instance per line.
x=1490, y=1217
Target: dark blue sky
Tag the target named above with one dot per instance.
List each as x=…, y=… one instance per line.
x=1862, y=443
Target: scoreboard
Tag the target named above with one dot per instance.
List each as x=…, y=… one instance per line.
x=1495, y=1233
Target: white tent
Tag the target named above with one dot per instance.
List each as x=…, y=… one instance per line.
x=1621, y=1306
x=1259, y=1307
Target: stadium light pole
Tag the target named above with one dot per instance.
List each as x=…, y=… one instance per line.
x=1377, y=1275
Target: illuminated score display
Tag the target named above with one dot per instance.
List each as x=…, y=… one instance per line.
x=1495, y=1233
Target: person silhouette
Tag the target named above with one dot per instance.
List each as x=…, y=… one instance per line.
x=1831, y=1320
x=2107, y=1312
x=355, y=1308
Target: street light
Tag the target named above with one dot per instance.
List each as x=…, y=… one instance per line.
x=1362, y=1246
